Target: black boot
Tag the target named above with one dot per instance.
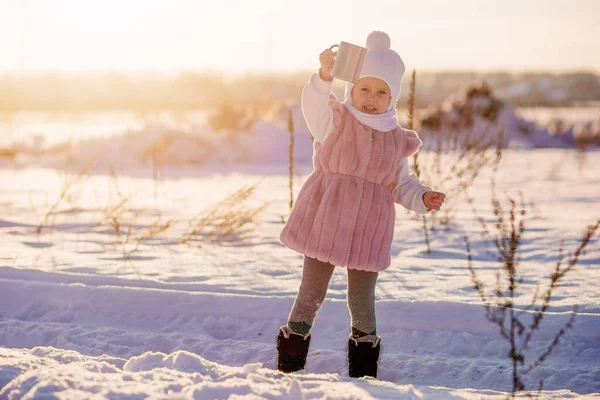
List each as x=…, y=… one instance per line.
x=292, y=349
x=363, y=354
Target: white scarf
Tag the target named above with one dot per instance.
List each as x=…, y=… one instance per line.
x=382, y=122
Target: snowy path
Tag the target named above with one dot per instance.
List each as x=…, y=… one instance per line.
x=425, y=343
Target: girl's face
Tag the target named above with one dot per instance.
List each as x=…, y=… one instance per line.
x=371, y=95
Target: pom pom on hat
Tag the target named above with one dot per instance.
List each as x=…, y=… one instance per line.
x=378, y=40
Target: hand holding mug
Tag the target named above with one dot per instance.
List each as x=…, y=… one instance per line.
x=327, y=57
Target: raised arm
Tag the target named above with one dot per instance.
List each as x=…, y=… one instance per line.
x=315, y=108
x=408, y=191
x=315, y=98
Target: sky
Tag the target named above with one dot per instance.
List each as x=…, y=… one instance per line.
x=241, y=36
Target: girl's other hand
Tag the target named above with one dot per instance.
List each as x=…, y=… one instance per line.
x=326, y=58
x=433, y=200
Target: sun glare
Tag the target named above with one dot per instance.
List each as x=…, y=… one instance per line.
x=276, y=35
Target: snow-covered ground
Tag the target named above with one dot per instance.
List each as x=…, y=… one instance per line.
x=179, y=321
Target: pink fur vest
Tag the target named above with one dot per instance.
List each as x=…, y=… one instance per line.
x=344, y=214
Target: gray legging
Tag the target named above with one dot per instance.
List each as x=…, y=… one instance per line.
x=313, y=289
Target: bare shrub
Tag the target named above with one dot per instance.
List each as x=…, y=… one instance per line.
x=458, y=156
x=229, y=219
x=454, y=170
x=498, y=301
x=8, y=153
x=228, y=117
x=462, y=141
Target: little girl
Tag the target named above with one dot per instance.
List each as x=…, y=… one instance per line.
x=344, y=214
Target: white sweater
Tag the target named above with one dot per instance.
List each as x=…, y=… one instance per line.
x=319, y=118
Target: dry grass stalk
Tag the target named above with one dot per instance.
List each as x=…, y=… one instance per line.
x=291, y=158
x=119, y=206
x=67, y=194
x=411, y=118
x=226, y=220
x=114, y=215
x=556, y=168
x=156, y=153
x=426, y=232
x=581, y=157
x=499, y=305
x=131, y=245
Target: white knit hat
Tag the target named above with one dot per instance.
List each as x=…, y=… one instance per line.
x=381, y=62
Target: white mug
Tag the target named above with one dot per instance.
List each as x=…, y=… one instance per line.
x=348, y=61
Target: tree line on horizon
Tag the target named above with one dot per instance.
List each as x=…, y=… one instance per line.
x=204, y=90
